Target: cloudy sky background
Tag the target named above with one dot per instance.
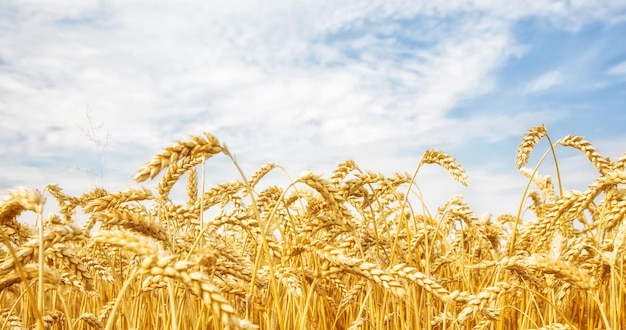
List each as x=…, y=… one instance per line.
x=91, y=90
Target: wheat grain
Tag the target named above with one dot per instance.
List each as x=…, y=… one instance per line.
x=544, y=183
x=216, y=195
x=413, y=275
x=197, y=282
x=528, y=143
x=342, y=171
x=19, y=200
x=67, y=204
x=132, y=221
x=29, y=199
x=602, y=184
x=447, y=162
x=289, y=279
x=196, y=147
x=192, y=186
x=120, y=238
x=10, y=321
x=613, y=208
x=17, y=232
x=114, y=200
x=560, y=210
x=30, y=272
x=105, y=310
x=66, y=259
x=602, y=164
x=620, y=163
x=260, y=173
x=358, y=267
x=175, y=171
x=51, y=318
x=537, y=264
x=52, y=235
x=475, y=304
x=91, y=320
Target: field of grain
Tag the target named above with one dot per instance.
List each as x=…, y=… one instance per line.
x=347, y=250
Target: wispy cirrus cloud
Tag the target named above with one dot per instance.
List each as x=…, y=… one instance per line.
x=545, y=81
x=303, y=84
x=618, y=70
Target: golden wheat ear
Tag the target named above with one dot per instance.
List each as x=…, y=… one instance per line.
x=528, y=143
x=602, y=164
x=195, y=147
x=446, y=161
x=620, y=163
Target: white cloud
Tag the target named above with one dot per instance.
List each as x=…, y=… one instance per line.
x=618, y=70
x=544, y=82
x=305, y=85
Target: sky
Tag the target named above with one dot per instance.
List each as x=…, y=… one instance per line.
x=91, y=90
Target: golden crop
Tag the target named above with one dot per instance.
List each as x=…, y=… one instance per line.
x=344, y=251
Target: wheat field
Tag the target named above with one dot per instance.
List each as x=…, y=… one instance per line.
x=348, y=250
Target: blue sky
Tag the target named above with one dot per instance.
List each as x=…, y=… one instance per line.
x=90, y=90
